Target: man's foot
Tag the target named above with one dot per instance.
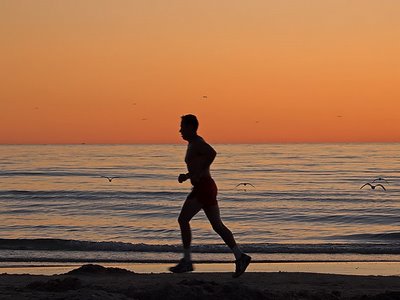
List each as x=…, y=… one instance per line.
x=241, y=265
x=182, y=267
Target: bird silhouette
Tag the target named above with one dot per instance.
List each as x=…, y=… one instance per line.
x=245, y=184
x=110, y=178
x=380, y=179
x=373, y=186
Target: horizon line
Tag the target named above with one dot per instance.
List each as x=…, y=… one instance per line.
x=214, y=143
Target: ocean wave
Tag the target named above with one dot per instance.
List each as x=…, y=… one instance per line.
x=387, y=236
x=86, y=195
x=44, y=173
x=75, y=245
x=92, y=175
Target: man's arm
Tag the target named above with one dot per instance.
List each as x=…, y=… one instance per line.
x=207, y=153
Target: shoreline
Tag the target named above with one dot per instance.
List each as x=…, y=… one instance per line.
x=357, y=268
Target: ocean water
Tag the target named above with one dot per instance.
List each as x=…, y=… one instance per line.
x=306, y=202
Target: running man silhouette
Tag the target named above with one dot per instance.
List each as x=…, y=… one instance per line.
x=199, y=157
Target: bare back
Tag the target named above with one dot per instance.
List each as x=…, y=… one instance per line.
x=199, y=157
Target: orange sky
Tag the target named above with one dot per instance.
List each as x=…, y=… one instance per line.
x=273, y=71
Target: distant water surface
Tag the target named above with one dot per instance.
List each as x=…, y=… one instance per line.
x=304, y=193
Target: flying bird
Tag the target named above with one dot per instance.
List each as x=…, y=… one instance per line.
x=245, y=184
x=110, y=178
x=373, y=186
x=380, y=179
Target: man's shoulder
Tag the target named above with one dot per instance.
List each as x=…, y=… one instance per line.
x=199, y=141
x=202, y=146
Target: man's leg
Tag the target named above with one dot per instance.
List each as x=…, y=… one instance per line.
x=242, y=259
x=189, y=209
x=213, y=215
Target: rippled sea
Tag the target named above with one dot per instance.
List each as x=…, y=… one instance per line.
x=306, y=199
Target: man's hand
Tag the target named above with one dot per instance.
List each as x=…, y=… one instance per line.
x=183, y=177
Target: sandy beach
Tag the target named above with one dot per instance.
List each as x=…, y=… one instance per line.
x=98, y=282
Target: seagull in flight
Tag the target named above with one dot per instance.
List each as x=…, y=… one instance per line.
x=245, y=184
x=373, y=186
x=380, y=179
x=110, y=178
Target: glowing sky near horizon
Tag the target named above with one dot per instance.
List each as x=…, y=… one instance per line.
x=273, y=71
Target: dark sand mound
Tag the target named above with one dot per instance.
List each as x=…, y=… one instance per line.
x=92, y=269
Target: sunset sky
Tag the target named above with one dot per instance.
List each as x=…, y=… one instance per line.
x=80, y=71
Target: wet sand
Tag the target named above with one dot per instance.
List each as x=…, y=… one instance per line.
x=379, y=268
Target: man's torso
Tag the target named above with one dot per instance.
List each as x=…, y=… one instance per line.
x=195, y=161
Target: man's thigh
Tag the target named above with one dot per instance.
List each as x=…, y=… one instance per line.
x=213, y=214
x=190, y=208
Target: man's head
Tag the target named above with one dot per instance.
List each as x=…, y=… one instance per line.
x=189, y=125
